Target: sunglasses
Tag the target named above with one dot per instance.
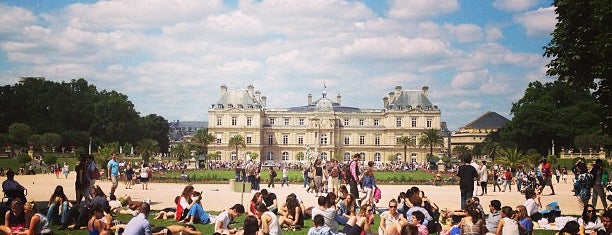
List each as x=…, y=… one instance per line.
x=370, y=210
x=590, y=211
x=392, y=206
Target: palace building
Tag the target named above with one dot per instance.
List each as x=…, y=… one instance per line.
x=323, y=128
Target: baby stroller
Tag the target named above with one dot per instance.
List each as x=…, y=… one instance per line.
x=528, y=182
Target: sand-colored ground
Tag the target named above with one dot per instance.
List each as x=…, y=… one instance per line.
x=219, y=196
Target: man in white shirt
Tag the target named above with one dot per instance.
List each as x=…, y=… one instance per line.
x=484, y=178
x=328, y=213
x=223, y=220
x=476, y=182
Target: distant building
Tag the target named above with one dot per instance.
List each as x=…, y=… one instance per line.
x=476, y=131
x=323, y=128
x=182, y=131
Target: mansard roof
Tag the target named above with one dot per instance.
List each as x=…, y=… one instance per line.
x=410, y=99
x=488, y=120
x=238, y=98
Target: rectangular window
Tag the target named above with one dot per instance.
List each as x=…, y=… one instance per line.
x=375, y=122
x=249, y=139
x=218, y=138
x=429, y=121
x=285, y=139
x=218, y=121
x=301, y=121
x=347, y=140
x=286, y=121
x=300, y=140
x=414, y=140
x=361, y=139
x=377, y=140
x=234, y=121
x=271, y=121
x=249, y=121
x=346, y=122
x=270, y=139
x=398, y=122
x=397, y=139
x=361, y=122
x=413, y=122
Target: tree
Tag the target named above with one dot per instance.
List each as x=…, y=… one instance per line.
x=460, y=150
x=156, y=127
x=19, y=133
x=581, y=50
x=432, y=138
x=146, y=148
x=585, y=141
x=511, y=157
x=52, y=140
x=405, y=141
x=551, y=111
x=203, y=139
x=180, y=151
x=237, y=141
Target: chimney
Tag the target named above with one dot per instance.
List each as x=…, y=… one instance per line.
x=426, y=91
x=223, y=89
x=250, y=89
x=385, y=101
x=257, y=94
x=309, y=99
x=398, y=90
x=339, y=99
x=391, y=97
x=263, y=101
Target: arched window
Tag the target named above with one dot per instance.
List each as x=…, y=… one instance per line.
x=377, y=157
x=324, y=156
x=347, y=157
x=285, y=156
x=270, y=156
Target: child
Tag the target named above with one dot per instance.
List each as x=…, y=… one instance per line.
x=319, y=226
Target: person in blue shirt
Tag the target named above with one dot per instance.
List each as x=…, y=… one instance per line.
x=113, y=172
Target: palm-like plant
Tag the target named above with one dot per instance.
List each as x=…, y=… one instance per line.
x=237, y=141
x=405, y=141
x=511, y=157
x=180, y=151
x=203, y=139
x=146, y=148
x=432, y=138
x=460, y=150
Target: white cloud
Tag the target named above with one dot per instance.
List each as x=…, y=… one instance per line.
x=538, y=23
x=421, y=9
x=468, y=105
x=469, y=79
x=15, y=20
x=514, y=5
x=493, y=33
x=465, y=32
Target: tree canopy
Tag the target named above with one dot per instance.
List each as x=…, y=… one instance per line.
x=75, y=111
x=581, y=49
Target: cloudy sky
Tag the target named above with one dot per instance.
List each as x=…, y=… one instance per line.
x=171, y=56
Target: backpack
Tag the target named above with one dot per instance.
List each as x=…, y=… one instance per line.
x=377, y=194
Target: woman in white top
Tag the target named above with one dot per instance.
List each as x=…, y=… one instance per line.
x=533, y=203
x=589, y=221
x=269, y=222
x=389, y=219
x=508, y=224
x=145, y=173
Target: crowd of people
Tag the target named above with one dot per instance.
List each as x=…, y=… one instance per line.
x=346, y=203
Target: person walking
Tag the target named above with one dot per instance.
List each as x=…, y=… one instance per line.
x=507, y=179
x=113, y=172
x=285, y=176
x=467, y=175
x=600, y=180
x=354, y=175
x=496, y=183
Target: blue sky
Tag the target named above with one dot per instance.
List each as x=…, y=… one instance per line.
x=171, y=56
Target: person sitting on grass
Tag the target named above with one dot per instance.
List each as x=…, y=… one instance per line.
x=417, y=220
x=223, y=220
x=196, y=211
x=251, y=226
x=360, y=222
x=269, y=222
x=185, y=203
x=36, y=223
x=58, y=206
x=319, y=226
x=96, y=226
x=294, y=219
x=168, y=212
x=257, y=198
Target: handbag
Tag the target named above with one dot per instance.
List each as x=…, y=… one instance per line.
x=94, y=173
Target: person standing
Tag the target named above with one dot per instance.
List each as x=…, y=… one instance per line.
x=508, y=179
x=496, y=183
x=582, y=189
x=600, y=180
x=467, y=175
x=129, y=176
x=272, y=173
x=113, y=172
x=547, y=175
x=354, y=175
x=477, y=181
x=484, y=177
x=145, y=175
x=285, y=176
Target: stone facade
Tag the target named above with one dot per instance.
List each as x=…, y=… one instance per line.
x=476, y=131
x=322, y=128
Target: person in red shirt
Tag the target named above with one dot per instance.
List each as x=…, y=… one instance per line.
x=547, y=175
